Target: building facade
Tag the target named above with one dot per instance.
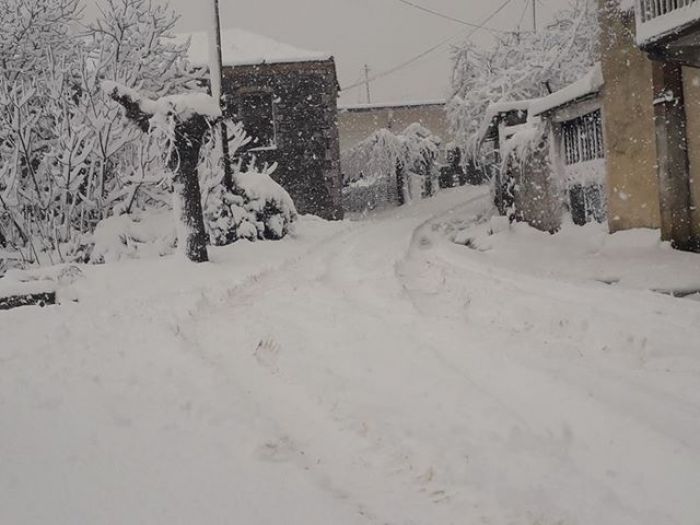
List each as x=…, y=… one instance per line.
x=652, y=117
x=286, y=99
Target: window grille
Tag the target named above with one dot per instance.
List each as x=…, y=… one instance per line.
x=583, y=138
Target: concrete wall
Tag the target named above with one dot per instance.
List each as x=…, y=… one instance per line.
x=628, y=120
x=356, y=123
x=691, y=91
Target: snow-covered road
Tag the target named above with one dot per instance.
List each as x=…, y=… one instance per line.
x=368, y=372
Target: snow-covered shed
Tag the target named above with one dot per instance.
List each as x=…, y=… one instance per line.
x=577, y=144
x=286, y=98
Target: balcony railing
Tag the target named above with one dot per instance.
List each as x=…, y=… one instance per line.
x=659, y=19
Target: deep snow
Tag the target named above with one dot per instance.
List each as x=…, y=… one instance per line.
x=371, y=372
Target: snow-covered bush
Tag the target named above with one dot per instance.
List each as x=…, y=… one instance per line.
x=391, y=168
x=133, y=236
x=527, y=191
x=68, y=158
x=520, y=66
x=258, y=208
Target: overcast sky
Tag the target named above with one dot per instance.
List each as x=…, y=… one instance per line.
x=380, y=33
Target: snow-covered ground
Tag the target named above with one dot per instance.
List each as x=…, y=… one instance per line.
x=370, y=372
x=631, y=259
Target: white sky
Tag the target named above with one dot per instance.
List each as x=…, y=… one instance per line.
x=381, y=33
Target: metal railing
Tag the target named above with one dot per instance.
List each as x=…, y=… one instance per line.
x=650, y=9
x=660, y=18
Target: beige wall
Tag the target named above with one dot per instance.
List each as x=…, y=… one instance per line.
x=628, y=116
x=691, y=92
x=358, y=123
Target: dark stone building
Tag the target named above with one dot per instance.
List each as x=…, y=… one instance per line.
x=287, y=100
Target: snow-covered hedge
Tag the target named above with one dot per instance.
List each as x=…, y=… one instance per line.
x=388, y=168
x=528, y=190
x=259, y=208
x=150, y=234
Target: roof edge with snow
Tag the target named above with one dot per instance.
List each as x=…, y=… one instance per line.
x=590, y=84
x=244, y=48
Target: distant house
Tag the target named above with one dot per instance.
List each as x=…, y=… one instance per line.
x=286, y=99
x=577, y=144
x=651, y=110
x=547, y=155
x=357, y=122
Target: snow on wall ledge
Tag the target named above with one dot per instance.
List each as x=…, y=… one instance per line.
x=243, y=48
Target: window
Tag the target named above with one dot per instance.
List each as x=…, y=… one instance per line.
x=256, y=110
x=587, y=203
x=583, y=139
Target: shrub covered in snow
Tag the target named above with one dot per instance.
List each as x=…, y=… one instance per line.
x=390, y=168
x=526, y=189
x=68, y=158
x=258, y=208
x=126, y=236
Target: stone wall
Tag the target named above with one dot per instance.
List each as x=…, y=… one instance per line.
x=307, y=145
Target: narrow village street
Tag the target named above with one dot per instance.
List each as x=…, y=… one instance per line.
x=369, y=372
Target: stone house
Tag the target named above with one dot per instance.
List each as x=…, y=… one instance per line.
x=286, y=99
x=359, y=121
x=651, y=108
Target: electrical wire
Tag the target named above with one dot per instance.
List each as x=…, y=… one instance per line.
x=447, y=17
x=410, y=61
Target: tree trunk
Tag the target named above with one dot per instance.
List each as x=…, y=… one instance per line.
x=187, y=200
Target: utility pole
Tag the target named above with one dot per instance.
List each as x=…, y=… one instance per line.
x=216, y=75
x=534, y=16
x=369, y=93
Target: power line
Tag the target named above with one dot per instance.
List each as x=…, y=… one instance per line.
x=430, y=50
x=522, y=15
x=447, y=17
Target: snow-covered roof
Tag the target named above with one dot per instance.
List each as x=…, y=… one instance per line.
x=390, y=105
x=240, y=47
x=589, y=84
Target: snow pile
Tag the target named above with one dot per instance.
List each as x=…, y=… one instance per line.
x=182, y=106
x=630, y=259
x=590, y=84
x=150, y=234
x=259, y=208
x=239, y=47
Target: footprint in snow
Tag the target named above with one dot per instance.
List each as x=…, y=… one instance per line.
x=267, y=354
